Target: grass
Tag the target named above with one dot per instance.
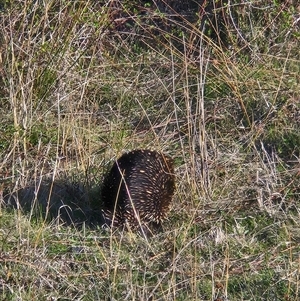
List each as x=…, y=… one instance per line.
x=83, y=82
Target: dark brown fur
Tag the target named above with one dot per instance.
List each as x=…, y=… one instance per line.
x=138, y=189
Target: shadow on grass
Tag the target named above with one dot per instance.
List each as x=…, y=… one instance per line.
x=65, y=202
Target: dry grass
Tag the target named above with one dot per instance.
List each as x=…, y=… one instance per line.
x=82, y=82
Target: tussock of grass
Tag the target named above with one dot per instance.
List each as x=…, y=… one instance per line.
x=82, y=82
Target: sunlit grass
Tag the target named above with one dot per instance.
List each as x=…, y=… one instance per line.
x=79, y=88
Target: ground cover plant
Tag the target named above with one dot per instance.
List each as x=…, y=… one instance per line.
x=214, y=85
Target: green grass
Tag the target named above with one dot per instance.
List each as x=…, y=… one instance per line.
x=83, y=82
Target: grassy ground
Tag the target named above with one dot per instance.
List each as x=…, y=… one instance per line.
x=83, y=82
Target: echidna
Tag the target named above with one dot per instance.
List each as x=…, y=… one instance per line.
x=138, y=189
